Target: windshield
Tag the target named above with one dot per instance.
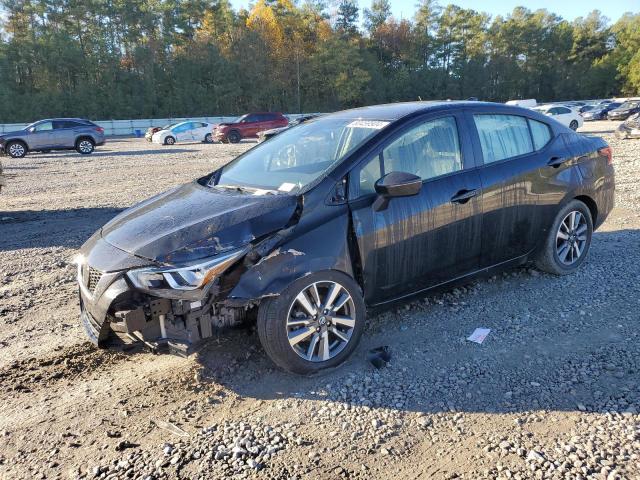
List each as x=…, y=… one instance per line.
x=298, y=156
x=628, y=105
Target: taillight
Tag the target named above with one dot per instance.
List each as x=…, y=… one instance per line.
x=607, y=152
x=99, y=129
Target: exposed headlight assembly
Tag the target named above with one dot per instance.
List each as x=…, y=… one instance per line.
x=184, y=279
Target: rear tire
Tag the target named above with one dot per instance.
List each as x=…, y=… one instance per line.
x=234, y=137
x=85, y=146
x=169, y=141
x=568, y=240
x=327, y=338
x=573, y=125
x=16, y=149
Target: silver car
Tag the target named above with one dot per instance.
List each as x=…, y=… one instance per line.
x=53, y=134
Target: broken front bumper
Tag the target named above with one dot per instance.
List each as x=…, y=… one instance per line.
x=114, y=312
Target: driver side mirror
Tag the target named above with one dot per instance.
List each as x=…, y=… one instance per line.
x=31, y=130
x=395, y=184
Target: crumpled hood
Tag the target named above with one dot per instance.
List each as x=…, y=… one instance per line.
x=192, y=222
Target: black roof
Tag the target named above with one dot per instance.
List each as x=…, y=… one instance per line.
x=396, y=111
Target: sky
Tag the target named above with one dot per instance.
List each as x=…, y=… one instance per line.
x=568, y=9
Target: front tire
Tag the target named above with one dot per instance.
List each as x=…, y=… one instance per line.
x=169, y=141
x=234, y=137
x=85, y=146
x=568, y=241
x=16, y=149
x=208, y=138
x=314, y=324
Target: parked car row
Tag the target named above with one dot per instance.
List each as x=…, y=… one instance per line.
x=573, y=113
x=84, y=135
x=250, y=125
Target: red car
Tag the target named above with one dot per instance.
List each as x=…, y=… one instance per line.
x=248, y=126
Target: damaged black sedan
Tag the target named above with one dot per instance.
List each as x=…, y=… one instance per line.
x=308, y=231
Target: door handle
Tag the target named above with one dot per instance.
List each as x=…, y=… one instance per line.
x=555, y=162
x=463, y=196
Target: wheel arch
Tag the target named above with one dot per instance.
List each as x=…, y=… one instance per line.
x=79, y=138
x=18, y=140
x=591, y=204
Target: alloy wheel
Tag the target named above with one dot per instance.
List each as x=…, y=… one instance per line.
x=571, y=238
x=16, y=150
x=321, y=321
x=85, y=146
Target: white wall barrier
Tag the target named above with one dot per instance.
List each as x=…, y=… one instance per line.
x=134, y=127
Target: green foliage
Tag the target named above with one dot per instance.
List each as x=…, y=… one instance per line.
x=155, y=58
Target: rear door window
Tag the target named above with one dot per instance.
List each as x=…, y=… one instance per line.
x=503, y=136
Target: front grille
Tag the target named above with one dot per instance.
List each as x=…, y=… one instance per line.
x=93, y=277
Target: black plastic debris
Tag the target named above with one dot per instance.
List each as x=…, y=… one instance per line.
x=379, y=357
x=123, y=445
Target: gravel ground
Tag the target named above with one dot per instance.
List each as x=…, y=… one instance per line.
x=554, y=391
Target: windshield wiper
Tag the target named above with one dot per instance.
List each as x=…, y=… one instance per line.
x=245, y=189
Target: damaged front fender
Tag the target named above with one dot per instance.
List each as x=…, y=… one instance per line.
x=322, y=246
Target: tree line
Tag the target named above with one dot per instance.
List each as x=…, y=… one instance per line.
x=109, y=59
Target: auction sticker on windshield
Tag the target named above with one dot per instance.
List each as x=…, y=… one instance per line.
x=286, y=187
x=373, y=124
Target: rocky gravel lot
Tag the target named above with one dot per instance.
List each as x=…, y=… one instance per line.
x=553, y=392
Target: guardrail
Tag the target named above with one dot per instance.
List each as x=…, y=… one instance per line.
x=134, y=127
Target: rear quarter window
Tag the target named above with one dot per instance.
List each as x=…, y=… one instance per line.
x=540, y=132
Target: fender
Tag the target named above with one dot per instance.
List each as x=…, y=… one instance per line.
x=324, y=247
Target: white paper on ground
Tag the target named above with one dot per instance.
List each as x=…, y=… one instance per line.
x=478, y=335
